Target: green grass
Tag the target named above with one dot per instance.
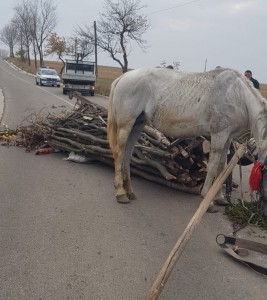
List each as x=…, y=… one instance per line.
x=251, y=213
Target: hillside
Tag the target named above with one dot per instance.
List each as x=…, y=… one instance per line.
x=105, y=75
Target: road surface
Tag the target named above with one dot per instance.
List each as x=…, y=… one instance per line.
x=63, y=235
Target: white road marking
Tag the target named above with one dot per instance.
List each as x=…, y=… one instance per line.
x=40, y=88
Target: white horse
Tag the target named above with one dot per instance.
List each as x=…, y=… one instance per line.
x=221, y=104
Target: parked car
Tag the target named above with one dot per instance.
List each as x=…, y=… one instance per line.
x=47, y=76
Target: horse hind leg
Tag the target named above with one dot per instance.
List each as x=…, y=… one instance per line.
x=219, y=147
x=132, y=140
x=118, y=155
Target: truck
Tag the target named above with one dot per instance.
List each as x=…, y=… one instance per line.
x=79, y=75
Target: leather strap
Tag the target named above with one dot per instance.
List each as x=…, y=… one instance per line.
x=251, y=253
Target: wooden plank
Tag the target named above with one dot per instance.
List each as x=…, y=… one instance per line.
x=177, y=250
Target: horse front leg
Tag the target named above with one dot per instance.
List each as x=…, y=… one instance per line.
x=127, y=182
x=219, y=147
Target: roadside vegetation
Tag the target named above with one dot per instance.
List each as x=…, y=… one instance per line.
x=243, y=213
x=31, y=33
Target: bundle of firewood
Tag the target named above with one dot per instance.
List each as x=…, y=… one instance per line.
x=178, y=163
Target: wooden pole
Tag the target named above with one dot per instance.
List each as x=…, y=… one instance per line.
x=177, y=250
x=96, y=65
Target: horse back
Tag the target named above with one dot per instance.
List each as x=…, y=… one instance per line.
x=177, y=103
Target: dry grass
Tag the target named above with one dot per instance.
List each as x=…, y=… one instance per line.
x=31, y=69
x=263, y=88
x=105, y=75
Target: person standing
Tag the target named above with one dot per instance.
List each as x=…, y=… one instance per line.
x=255, y=82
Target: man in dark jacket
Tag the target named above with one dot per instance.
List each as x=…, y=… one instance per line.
x=255, y=82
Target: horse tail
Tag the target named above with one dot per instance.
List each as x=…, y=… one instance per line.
x=112, y=124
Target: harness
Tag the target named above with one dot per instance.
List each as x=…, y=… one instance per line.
x=251, y=253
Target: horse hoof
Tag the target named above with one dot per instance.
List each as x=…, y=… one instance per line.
x=221, y=202
x=212, y=209
x=122, y=199
x=131, y=196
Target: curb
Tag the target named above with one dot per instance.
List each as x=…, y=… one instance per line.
x=2, y=104
x=17, y=68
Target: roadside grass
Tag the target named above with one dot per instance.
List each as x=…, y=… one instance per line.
x=105, y=75
x=263, y=88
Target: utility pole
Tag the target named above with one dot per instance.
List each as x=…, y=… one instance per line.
x=96, y=71
x=75, y=49
x=205, y=68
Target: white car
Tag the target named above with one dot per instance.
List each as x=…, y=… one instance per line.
x=47, y=76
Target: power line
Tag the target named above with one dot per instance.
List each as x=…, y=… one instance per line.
x=180, y=5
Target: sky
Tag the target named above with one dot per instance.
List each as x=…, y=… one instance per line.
x=200, y=34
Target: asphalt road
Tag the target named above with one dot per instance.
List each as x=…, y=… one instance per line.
x=63, y=235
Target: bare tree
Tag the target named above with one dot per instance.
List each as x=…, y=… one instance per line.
x=24, y=24
x=120, y=25
x=21, y=52
x=174, y=65
x=81, y=45
x=3, y=53
x=9, y=37
x=43, y=22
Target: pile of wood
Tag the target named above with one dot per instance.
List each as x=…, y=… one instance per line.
x=177, y=163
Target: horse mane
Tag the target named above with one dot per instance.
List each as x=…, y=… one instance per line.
x=248, y=83
x=263, y=101
x=256, y=93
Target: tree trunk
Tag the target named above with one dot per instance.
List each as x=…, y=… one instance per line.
x=61, y=71
x=40, y=55
x=35, y=55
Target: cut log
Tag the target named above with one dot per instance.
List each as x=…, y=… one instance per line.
x=180, y=162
